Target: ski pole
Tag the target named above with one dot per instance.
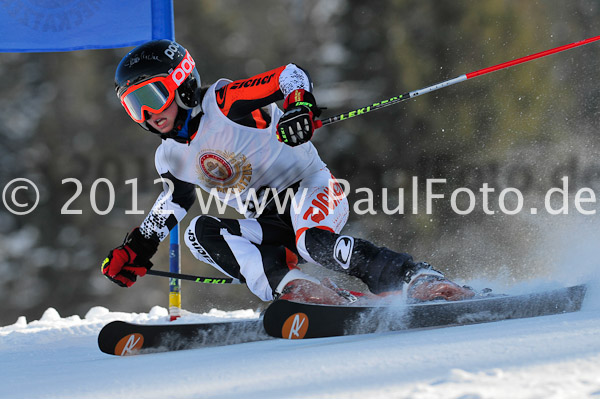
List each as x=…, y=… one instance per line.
x=196, y=279
x=449, y=82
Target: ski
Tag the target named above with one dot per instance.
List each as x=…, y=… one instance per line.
x=122, y=338
x=294, y=320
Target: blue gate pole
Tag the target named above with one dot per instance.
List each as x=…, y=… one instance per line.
x=174, y=267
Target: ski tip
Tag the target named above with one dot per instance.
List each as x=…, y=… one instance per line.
x=114, y=339
x=280, y=323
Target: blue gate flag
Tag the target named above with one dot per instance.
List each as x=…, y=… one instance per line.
x=66, y=25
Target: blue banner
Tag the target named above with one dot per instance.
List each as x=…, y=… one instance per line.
x=66, y=25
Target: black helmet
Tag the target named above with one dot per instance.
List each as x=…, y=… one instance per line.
x=154, y=74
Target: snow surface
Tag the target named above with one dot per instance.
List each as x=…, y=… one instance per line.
x=545, y=357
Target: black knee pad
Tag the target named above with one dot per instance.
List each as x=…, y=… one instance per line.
x=208, y=226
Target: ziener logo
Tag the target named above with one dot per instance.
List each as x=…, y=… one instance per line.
x=295, y=326
x=129, y=344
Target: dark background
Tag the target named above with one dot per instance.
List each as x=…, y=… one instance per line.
x=523, y=127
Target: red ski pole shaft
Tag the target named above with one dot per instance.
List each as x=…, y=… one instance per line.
x=449, y=82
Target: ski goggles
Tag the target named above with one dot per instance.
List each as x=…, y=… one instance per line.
x=156, y=94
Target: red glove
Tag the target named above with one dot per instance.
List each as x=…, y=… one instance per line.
x=129, y=260
x=297, y=125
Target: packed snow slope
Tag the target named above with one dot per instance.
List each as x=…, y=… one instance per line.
x=544, y=357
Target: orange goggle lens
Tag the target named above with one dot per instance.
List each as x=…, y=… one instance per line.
x=156, y=94
x=152, y=95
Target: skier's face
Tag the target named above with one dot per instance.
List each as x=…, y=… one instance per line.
x=164, y=121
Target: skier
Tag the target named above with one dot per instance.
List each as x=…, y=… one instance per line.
x=231, y=140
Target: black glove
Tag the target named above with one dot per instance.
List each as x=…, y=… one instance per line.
x=129, y=260
x=297, y=125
